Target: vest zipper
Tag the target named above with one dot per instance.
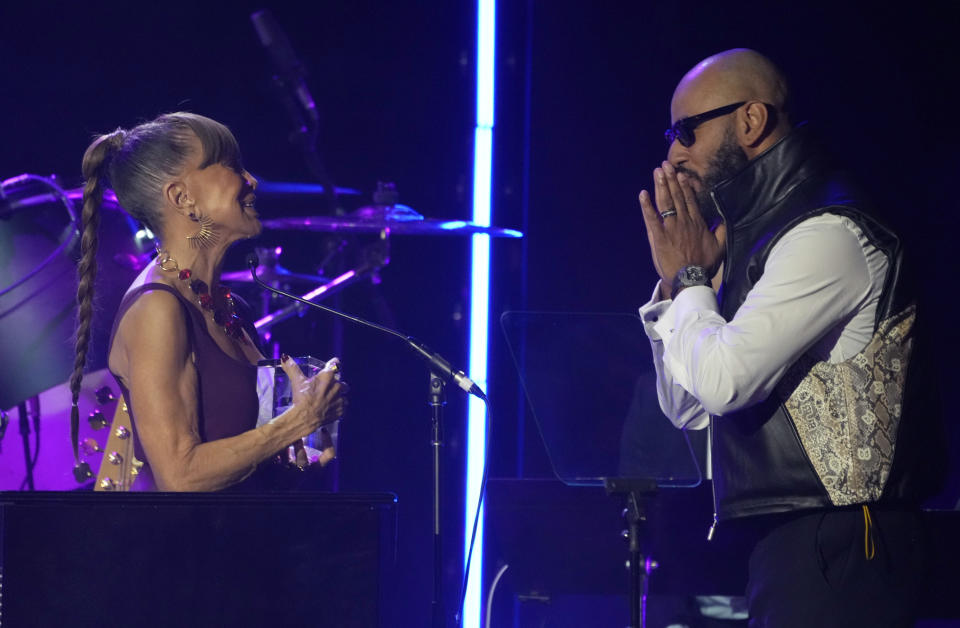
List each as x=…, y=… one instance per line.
x=723, y=281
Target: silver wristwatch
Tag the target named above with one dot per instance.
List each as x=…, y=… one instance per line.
x=689, y=276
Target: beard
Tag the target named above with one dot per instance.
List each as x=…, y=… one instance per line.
x=726, y=162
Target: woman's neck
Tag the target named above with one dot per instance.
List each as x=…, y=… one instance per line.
x=203, y=264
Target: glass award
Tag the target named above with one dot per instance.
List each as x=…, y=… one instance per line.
x=276, y=395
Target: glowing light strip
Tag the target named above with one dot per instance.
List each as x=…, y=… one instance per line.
x=479, y=301
x=310, y=296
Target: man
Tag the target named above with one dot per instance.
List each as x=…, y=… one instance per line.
x=782, y=322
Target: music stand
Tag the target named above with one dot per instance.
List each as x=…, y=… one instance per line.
x=588, y=379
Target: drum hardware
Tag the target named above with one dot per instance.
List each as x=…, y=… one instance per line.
x=388, y=220
x=40, y=224
x=55, y=194
x=11, y=206
x=386, y=216
x=291, y=188
x=27, y=410
x=271, y=271
x=373, y=257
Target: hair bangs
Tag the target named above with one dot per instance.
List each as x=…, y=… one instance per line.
x=218, y=143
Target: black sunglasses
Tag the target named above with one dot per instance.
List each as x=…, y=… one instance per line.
x=682, y=129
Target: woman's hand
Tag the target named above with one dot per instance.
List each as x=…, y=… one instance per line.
x=304, y=456
x=317, y=400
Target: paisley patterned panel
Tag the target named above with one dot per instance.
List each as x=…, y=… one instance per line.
x=847, y=414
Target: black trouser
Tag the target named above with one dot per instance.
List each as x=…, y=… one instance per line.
x=813, y=571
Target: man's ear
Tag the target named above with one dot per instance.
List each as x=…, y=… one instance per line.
x=753, y=123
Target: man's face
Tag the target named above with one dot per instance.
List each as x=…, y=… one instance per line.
x=727, y=159
x=715, y=153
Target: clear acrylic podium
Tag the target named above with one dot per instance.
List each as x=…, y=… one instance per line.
x=590, y=384
x=589, y=380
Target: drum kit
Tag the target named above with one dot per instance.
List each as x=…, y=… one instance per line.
x=39, y=245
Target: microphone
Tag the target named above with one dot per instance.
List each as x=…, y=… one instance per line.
x=289, y=68
x=437, y=363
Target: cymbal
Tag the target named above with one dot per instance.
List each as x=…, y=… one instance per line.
x=284, y=188
x=399, y=220
x=273, y=274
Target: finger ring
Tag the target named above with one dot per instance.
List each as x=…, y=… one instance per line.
x=668, y=213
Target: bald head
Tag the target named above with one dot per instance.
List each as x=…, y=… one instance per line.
x=733, y=76
x=714, y=148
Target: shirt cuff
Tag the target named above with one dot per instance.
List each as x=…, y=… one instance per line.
x=692, y=299
x=652, y=311
x=695, y=298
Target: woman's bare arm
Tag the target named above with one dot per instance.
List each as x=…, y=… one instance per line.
x=157, y=365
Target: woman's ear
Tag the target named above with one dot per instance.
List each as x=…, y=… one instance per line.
x=175, y=195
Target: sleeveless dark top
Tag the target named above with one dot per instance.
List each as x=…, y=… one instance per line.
x=227, y=387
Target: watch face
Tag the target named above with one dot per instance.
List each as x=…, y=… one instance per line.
x=693, y=275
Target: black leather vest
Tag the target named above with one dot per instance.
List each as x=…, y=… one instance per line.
x=760, y=465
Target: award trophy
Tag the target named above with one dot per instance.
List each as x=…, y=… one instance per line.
x=276, y=395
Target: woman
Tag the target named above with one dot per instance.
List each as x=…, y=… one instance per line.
x=180, y=349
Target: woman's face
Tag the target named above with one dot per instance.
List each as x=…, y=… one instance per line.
x=226, y=196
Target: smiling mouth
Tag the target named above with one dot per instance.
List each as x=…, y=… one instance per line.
x=248, y=203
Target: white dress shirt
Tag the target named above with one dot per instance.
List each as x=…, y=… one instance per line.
x=818, y=293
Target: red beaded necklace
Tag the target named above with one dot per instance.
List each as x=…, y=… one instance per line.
x=225, y=317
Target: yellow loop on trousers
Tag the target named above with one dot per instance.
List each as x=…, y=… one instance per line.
x=869, y=547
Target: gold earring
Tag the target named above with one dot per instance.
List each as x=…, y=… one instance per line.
x=206, y=236
x=164, y=261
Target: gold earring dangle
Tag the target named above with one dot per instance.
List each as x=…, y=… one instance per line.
x=164, y=261
x=206, y=236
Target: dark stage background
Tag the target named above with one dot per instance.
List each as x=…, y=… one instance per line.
x=583, y=98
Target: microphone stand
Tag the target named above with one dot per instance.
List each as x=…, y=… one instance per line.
x=437, y=399
x=441, y=372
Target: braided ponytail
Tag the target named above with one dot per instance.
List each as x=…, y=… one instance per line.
x=94, y=172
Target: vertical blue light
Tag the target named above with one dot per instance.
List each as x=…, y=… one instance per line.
x=479, y=301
